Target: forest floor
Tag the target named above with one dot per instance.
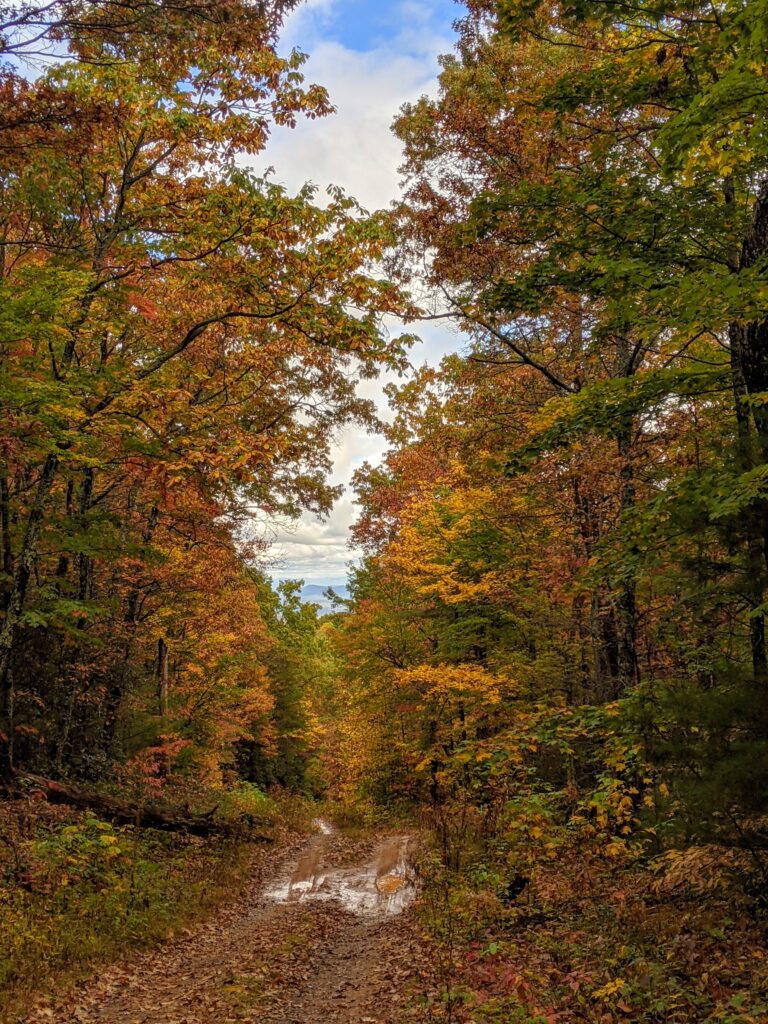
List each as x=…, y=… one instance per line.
x=333, y=929
x=323, y=934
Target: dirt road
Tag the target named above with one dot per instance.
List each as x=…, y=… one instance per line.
x=324, y=937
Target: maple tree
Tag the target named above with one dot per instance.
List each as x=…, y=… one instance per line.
x=180, y=340
x=601, y=255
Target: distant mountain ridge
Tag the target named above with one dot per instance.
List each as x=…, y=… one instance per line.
x=314, y=593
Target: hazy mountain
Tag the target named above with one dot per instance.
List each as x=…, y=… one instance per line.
x=314, y=593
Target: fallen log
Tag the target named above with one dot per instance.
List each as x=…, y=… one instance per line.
x=124, y=812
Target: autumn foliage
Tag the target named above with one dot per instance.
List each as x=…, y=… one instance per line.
x=558, y=631
x=180, y=339
x=554, y=653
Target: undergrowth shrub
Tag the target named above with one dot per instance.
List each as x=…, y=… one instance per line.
x=85, y=891
x=522, y=936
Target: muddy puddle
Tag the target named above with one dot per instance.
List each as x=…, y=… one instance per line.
x=385, y=885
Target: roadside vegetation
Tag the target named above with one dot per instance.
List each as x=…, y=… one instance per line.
x=80, y=892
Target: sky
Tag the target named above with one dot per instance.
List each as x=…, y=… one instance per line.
x=372, y=57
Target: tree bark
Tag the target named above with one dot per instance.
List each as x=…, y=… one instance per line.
x=84, y=561
x=749, y=372
x=15, y=609
x=5, y=527
x=116, y=689
x=162, y=678
x=626, y=605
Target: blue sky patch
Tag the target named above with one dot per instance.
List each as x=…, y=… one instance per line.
x=364, y=25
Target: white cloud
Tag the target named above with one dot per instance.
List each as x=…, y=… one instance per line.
x=353, y=148
x=305, y=21
x=313, y=551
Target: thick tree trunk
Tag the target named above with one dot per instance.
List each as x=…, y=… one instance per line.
x=749, y=370
x=15, y=608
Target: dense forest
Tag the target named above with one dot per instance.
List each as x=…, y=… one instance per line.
x=553, y=659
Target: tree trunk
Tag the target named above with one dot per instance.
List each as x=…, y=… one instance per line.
x=84, y=561
x=124, y=812
x=5, y=527
x=116, y=688
x=626, y=604
x=749, y=371
x=15, y=609
x=162, y=678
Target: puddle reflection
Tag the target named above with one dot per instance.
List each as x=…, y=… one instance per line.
x=386, y=885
